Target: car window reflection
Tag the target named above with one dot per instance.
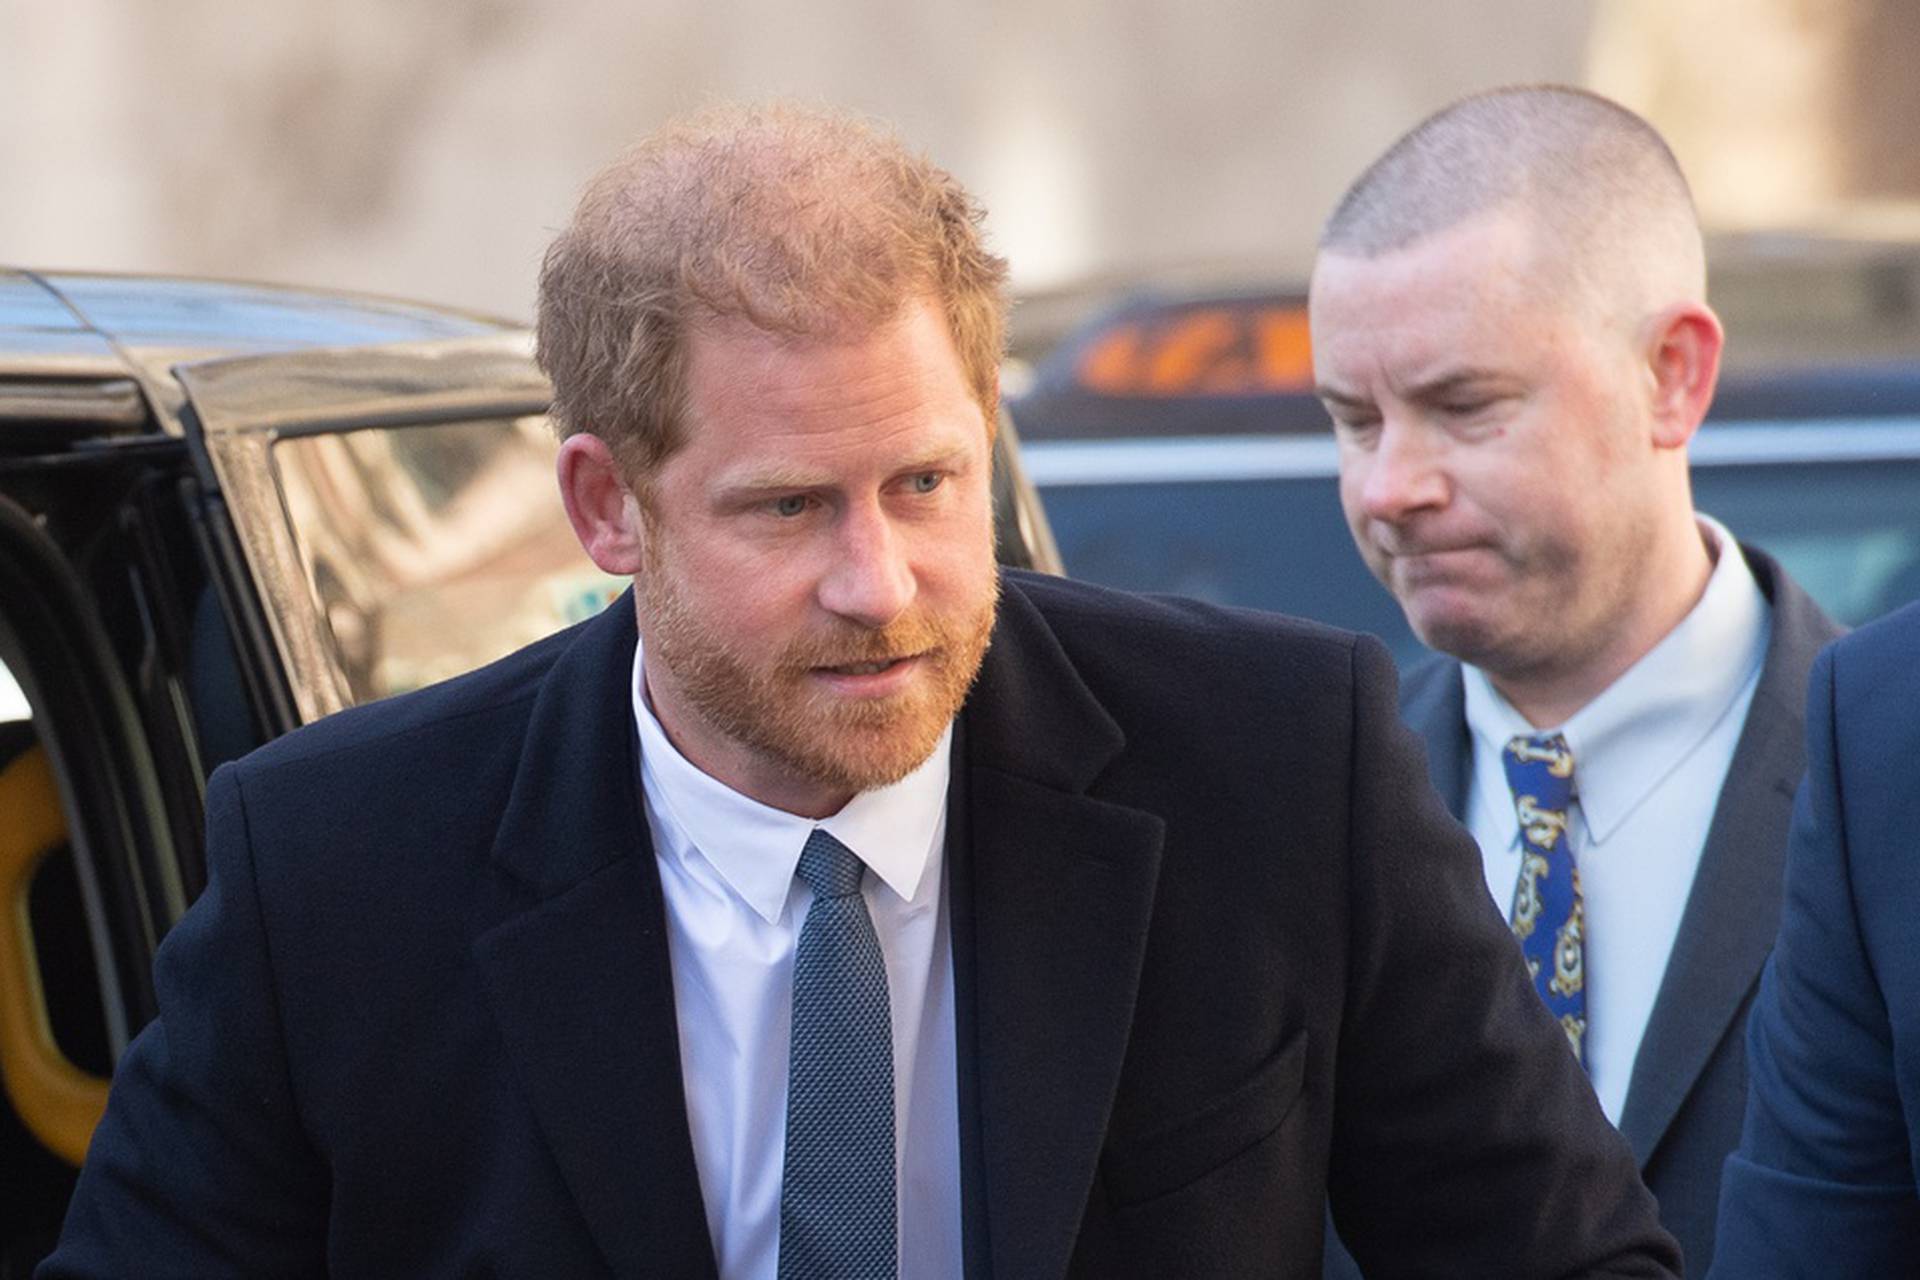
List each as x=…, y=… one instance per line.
x=434, y=549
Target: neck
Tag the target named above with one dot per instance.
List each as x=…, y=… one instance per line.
x=760, y=780
x=1551, y=693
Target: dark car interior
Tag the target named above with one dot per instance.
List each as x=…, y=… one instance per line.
x=101, y=781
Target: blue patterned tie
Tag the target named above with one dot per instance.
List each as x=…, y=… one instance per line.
x=837, y=1216
x=1548, y=916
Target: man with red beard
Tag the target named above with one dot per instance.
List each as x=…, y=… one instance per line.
x=834, y=907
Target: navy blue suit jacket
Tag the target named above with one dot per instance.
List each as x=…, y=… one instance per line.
x=1218, y=953
x=1689, y=1082
x=1823, y=1184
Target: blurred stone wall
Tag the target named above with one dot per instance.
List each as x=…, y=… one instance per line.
x=430, y=148
x=1783, y=112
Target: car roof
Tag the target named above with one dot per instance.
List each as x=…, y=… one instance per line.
x=77, y=311
x=75, y=331
x=1817, y=328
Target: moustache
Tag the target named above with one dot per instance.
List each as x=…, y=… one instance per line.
x=843, y=646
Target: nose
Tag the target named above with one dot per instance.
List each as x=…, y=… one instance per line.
x=871, y=580
x=1403, y=473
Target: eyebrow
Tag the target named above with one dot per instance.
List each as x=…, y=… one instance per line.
x=1340, y=398
x=778, y=478
x=1445, y=384
x=1449, y=383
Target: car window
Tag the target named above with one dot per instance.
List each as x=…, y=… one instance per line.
x=433, y=549
x=1848, y=532
x=1275, y=544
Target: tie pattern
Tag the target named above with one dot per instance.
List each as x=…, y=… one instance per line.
x=1548, y=916
x=837, y=1206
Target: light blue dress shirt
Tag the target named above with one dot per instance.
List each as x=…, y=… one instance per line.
x=1650, y=754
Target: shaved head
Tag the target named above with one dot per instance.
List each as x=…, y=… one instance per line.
x=1609, y=210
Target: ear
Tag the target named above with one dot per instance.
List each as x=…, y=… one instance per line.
x=603, y=510
x=1683, y=354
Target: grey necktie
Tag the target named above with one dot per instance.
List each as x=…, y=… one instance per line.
x=837, y=1214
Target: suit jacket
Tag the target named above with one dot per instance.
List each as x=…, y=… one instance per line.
x=1824, y=1181
x=1216, y=947
x=1689, y=1082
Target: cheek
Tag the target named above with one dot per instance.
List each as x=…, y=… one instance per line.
x=956, y=572
x=736, y=592
x=1353, y=483
x=958, y=547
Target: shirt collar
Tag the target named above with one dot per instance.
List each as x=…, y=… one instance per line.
x=1644, y=724
x=756, y=848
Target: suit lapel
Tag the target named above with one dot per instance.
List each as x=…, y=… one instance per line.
x=1052, y=892
x=1433, y=703
x=576, y=969
x=1733, y=910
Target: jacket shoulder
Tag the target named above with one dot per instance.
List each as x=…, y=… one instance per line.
x=504, y=687
x=1875, y=681
x=1800, y=625
x=1089, y=619
x=1181, y=677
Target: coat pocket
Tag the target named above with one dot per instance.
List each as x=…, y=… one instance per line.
x=1188, y=1149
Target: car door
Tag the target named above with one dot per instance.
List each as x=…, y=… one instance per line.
x=99, y=781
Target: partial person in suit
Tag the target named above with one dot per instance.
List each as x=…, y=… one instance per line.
x=1511, y=333
x=1823, y=1184
x=833, y=906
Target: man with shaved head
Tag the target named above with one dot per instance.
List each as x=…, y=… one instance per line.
x=1511, y=333
x=834, y=906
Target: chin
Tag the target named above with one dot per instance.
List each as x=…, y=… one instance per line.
x=1459, y=633
x=862, y=761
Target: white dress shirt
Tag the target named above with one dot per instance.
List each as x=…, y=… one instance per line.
x=1649, y=756
x=734, y=909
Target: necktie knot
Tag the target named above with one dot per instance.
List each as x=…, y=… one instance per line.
x=830, y=869
x=1541, y=766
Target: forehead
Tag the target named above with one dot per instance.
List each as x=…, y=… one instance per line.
x=866, y=392
x=735, y=360
x=1479, y=281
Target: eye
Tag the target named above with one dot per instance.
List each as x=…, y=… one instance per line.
x=790, y=505
x=925, y=482
x=1356, y=427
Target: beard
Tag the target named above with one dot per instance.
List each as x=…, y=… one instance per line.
x=779, y=710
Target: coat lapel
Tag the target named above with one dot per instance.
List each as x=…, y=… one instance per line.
x=1733, y=910
x=576, y=966
x=1052, y=891
x=1433, y=703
